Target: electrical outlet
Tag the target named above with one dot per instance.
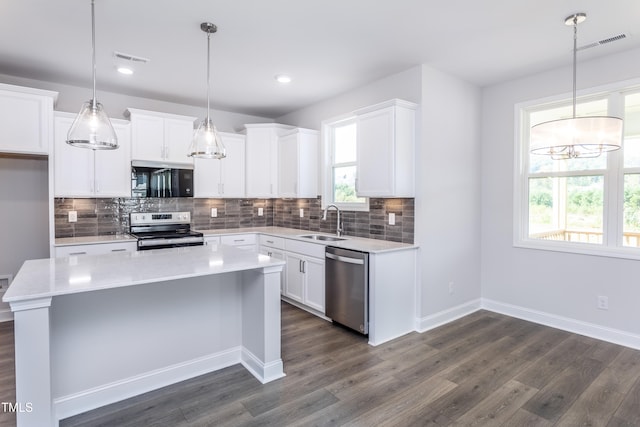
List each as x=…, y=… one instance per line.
x=450, y=287
x=260, y=211
x=301, y=213
x=214, y=212
x=392, y=219
x=73, y=216
x=603, y=303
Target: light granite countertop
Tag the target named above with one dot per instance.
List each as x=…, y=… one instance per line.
x=42, y=278
x=349, y=242
x=94, y=240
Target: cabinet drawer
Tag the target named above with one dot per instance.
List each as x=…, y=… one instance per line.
x=211, y=240
x=94, y=249
x=272, y=242
x=238, y=239
x=315, y=250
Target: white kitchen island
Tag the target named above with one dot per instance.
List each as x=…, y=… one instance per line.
x=92, y=330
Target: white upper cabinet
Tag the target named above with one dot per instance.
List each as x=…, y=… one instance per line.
x=262, y=158
x=160, y=137
x=298, y=163
x=386, y=150
x=80, y=172
x=26, y=120
x=224, y=177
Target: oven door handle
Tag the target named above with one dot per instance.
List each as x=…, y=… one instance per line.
x=344, y=259
x=160, y=242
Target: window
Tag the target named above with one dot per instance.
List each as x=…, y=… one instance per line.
x=585, y=205
x=342, y=165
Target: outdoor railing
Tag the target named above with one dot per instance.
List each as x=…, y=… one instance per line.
x=585, y=236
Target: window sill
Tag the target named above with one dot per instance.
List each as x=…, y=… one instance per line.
x=357, y=207
x=580, y=248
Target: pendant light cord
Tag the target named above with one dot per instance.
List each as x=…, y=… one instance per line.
x=575, y=56
x=208, y=75
x=93, y=49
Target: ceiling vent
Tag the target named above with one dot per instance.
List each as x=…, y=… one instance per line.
x=128, y=57
x=603, y=41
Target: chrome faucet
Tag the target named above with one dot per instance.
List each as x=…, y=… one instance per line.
x=339, y=226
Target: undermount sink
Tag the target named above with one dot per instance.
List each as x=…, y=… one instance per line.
x=323, y=237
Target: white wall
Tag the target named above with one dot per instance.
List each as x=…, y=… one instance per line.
x=448, y=197
x=555, y=287
x=24, y=211
x=404, y=85
x=70, y=99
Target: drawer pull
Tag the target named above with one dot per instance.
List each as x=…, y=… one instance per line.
x=119, y=250
x=78, y=253
x=239, y=240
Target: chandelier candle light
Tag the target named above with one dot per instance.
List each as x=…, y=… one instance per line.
x=92, y=127
x=206, y=142
x=576, y=137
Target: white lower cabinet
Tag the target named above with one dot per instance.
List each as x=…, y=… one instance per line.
x=304, y=281
x=274, y=247
x=277, y=254
x=95, y=249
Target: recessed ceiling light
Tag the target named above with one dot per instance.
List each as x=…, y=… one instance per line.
x=125, y=70
x=283, y=78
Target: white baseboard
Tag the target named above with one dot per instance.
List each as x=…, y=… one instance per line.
x=592, y=330
x=78, y=403
x=263, y=372
x=438, y=319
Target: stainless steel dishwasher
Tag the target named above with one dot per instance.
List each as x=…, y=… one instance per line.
x=347, y=288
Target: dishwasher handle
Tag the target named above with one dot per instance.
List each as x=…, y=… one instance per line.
x=344, y=259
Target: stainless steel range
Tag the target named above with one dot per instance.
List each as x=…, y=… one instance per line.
x=163, y=230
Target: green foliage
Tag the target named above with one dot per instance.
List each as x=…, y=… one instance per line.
x=541, y=198
x=632, y=206
x=345, y=193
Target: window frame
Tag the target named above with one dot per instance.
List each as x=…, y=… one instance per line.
x=328, y=157
x=613, y=175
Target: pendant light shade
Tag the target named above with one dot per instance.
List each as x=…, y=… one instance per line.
x=92, y=127
x=576, y=137
x=207, y=143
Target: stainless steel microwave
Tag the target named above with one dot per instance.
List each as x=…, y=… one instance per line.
x=159, y=181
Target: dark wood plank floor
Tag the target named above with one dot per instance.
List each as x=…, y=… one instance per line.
x=482, y=370
x=7, y=373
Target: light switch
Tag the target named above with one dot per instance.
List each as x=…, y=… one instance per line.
x=392, y=219
x=260, y=211
x=214, y=212
x=301, y=213
x=73, y=216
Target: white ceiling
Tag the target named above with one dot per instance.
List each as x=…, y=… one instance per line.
x=327, y=46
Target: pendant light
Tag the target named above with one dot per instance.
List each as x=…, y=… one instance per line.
x=92, y=128
x=576, y=137
x=207, y=143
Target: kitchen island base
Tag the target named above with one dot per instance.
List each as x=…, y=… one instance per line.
x=80, y=351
